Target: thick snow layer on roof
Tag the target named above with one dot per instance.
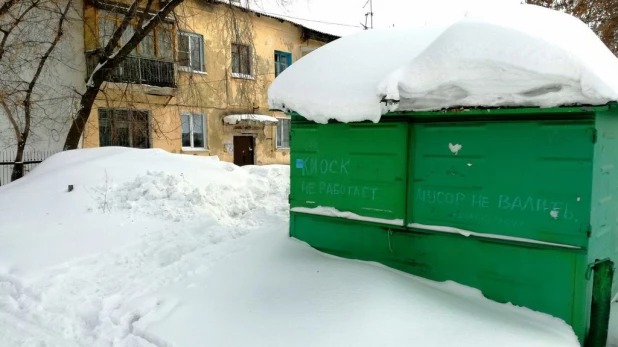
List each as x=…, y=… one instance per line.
x=520, y=55
x=340, y=79
x=259, y=118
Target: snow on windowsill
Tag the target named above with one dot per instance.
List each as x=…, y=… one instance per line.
x=242, y=76
x=189, y=70
x=333, y=212
x=468, y=233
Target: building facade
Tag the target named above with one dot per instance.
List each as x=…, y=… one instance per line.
x=198, y=84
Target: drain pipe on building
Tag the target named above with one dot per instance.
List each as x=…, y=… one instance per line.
x=601, y=302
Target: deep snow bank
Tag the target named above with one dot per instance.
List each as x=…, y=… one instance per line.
x=120, y=194
x=280, y=292
x=521, y=55
x=74, y=272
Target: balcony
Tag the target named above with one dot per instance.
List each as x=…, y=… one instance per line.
x=132, y=69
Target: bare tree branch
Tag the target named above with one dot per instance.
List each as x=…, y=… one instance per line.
x=12, y=120
x=110, y=60
x=14, y=25
x=143, y=17
x=115, y=39
x=7, y=6
x=22, y=136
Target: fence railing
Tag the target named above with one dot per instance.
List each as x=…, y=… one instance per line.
x=139, y=70
x=31, y=160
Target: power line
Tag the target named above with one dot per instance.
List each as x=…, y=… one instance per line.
x=308, y=20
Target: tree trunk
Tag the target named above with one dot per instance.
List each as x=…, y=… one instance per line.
x=18, y=168
x=110, y=61
x=79, y=123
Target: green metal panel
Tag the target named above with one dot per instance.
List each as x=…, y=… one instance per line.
x=539, y=277
x=514, y=177
x=604, y=207
x=358, y=168
x=521, y=179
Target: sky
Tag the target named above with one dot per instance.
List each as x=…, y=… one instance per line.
x=349, y=14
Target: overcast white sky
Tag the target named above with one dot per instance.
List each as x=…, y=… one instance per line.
x=387, y=13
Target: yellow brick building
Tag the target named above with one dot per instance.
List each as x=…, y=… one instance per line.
x=198, y=84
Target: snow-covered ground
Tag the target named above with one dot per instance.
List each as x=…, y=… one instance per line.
x=157, y=249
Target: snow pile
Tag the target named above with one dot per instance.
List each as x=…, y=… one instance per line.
x=120, y=194
x=155, y=193
x=75, y=274
x=175, y=198
x=280, y=292
x=526, y=56
x=521, y=55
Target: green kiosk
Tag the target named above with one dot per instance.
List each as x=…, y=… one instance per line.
x=517, y=199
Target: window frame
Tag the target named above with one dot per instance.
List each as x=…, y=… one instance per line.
x=192, y=147
x=280, y=54
x=249, y=62
x=201, y=49
x=131, y=128
x=117, y=17
x=277, y=133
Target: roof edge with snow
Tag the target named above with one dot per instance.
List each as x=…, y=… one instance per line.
x=306, y=32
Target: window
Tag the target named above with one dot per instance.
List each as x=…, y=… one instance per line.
x=124, y=128
x=191, y=51
x=241, y=60
x=194, y=134
x=157, y=44
x=282, y=61
x=283, y=133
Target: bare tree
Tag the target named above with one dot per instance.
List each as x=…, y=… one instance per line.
x=24, y=60
x=236, y=26
x=111, y=57
x=600, y=15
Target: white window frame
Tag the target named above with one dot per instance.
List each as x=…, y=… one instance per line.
x=277, y=133
x=202, y=53
x=191, y=132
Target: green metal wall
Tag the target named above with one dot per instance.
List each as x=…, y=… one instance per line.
x=358, y=168
x=537, y=189
x=604, y=208
x=542, y=278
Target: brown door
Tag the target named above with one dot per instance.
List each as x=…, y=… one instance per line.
x=243, y=150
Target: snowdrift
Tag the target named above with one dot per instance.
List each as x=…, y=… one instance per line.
x=521, y=55
x=120, y=193
x=158, y=249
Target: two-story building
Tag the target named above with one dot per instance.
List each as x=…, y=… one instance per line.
x=197, y=84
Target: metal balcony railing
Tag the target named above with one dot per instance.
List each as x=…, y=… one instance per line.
x=138, y=70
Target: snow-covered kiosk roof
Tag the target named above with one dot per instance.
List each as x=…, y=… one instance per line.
x=512, y=56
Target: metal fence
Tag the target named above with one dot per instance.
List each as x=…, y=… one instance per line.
x=31, y=160
x=134, y=69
